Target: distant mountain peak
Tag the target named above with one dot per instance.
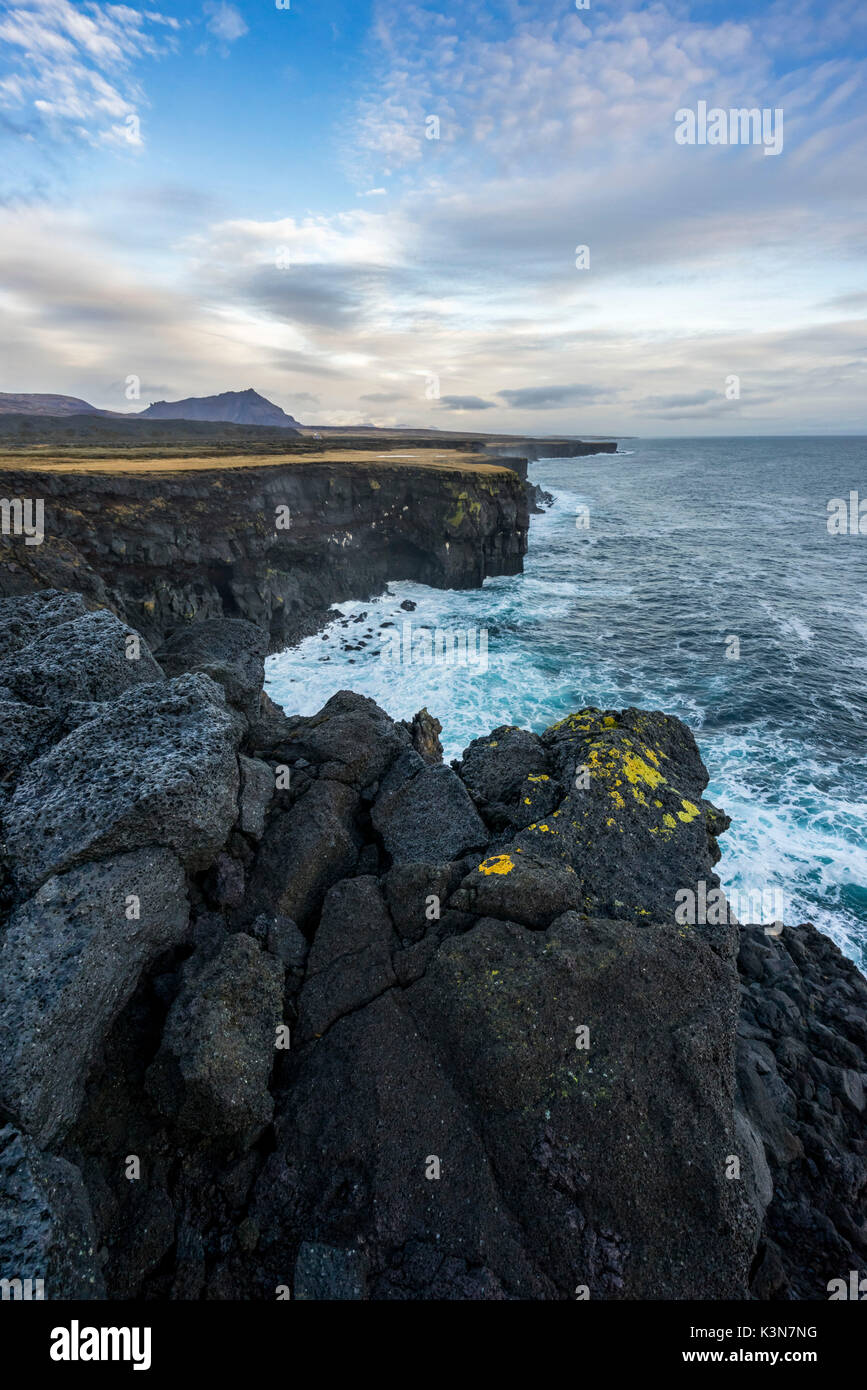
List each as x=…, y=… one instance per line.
x=228, y=407
x=34, y=403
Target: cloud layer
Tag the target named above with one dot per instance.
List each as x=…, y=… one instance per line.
x=718, y=291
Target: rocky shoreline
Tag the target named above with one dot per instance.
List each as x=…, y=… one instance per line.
x=290, y=1008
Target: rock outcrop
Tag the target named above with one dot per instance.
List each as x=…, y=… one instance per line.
x=167, y=545
x=287, y=1003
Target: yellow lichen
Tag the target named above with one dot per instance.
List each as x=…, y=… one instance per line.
x=638, y=770
x=499, y=864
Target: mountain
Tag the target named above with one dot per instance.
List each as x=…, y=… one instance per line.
x=230, y=407
x=26, y=403
x=233, y=407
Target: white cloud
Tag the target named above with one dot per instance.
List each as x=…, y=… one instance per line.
x=225, y=21
x=73, y=68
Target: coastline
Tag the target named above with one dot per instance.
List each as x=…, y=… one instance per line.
x=486, y=951
x=429, y=939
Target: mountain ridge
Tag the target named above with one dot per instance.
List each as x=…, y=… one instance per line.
x=247, y=407
x=227, y=407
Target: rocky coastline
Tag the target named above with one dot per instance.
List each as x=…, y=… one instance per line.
x=276, y=543
x=288, y=1005
x=290, y=1008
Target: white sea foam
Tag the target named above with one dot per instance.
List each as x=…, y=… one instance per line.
x=635, y=611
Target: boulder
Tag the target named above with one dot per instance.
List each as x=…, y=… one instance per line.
x=25, y=617
x=424, y=813
x=620, y=804
x=372, y=1103
x=518, y=888
x=801, y=1066
x=229, y=650
x=304, y=851
x=46, y=1226
x=502, y=770
x=218, y=1046
x=94, y=657
x=25, y=731
x=70, y=959
x=257, y=791
x=424, y=732
x=157, y=766
x=351, y=740
x=482, y=1151
x=350, y=960
x=417, y=895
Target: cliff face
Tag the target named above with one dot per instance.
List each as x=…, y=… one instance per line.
x=555, y=448
x=374, y=1027
x=275, y=544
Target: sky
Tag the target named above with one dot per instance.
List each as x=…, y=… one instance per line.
x=374, y=212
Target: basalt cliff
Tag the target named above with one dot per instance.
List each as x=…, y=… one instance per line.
x=277, y=542
x=290, y=1008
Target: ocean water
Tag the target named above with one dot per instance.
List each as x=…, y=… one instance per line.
x=688, y=545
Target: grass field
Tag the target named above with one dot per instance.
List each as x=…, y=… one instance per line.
x=175, y=461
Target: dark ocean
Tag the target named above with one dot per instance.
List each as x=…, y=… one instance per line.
x=689, y=544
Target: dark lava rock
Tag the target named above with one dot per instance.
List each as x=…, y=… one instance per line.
x=802, y=1073
x=425, y=813
x=632, y=823
x=424, y=732
x=257, y=791
x=229, y=650
x=330, y=1273
x=350, y=960
x=512, y=1067
x=70, y=959
x=287, y=942
x=25, y=731
x=351, y=739
x=520, y=889
x=496, y=769
x=94, y=657
x=24, y=618
x=304, y=851
x=417, y=895
x=211, y=1074
x=540, y=1167
x=156, y=766
x=46, y=1226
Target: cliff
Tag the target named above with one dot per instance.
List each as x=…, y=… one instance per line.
x=285, y=1003
x=534, y=449
x=275, y=541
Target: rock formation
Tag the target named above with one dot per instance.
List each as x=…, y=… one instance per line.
x=275, y=544
x=287, y=1003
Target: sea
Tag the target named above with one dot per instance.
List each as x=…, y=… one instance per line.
x=720, y=580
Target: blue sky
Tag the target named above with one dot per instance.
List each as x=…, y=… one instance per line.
x=218, y=195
